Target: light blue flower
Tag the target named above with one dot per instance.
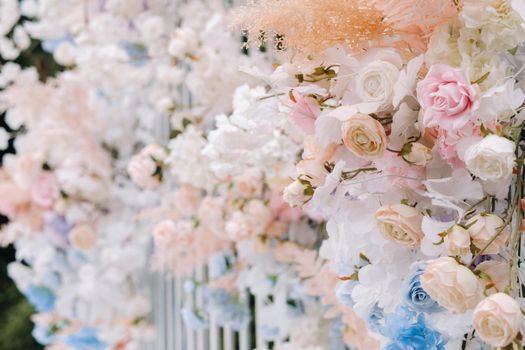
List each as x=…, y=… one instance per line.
x=43, y=335
x=51, y=45
x=42, y=298
x=375, y=319
x=218, y=265
x=193, y=320
x=85, y=339
x=267, y=332
x=344, y=292
x=408, y=331
x=414, y=294
x=227, y=308
x=137, y=53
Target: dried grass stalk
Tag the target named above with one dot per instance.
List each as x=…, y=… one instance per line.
x=311, y=26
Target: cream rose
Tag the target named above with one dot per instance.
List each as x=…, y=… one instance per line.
x=375, y=83
x=457, y=241
x=400, y=223
x=483, y=227
x=294, y=194
x=314, y=169
x=497, y=319
x=364, y=136
x=452, y=285
x=416, y=154
x=491, y=159
x=83, y=237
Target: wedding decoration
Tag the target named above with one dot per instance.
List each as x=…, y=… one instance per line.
x=414, y=159
x=334, y=174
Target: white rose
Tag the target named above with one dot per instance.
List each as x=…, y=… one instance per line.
x=491, y=159
x=497, y=319
x=457, y=241
x=418, y=154
x=375, y=82
x=294, y=194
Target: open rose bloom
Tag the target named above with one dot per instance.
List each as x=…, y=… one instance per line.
x=344, y=174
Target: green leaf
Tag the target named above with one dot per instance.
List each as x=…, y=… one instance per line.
x=174, y=133
x=186, y=122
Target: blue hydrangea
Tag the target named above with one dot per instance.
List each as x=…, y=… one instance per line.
x=227, y=308
x=218, y=265
x=42, y=298
x=85, y=339
x=375, y=318
x=408, y=330
x=414, y=294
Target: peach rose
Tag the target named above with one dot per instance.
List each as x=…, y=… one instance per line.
x=452, y=285
x=163, y=232
x=83, y=237
x=483, y=227
x=364, y=136
x=400, y=223
x=457, y=241
x=447, y=97
x=497, y=319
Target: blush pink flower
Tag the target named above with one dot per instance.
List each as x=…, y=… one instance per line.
x=44, y=190
x=304, y=112
x=447, y=150
x=447, y=97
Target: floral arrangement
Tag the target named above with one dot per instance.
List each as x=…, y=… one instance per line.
x=414, y=159
x=355, y=166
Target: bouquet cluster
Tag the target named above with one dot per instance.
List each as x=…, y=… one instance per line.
x=413, y=154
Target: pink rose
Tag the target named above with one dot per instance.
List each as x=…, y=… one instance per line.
x=304, y=113
x=44, y=190
x=497, y=320
x=447, y=149
x=447, y=97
